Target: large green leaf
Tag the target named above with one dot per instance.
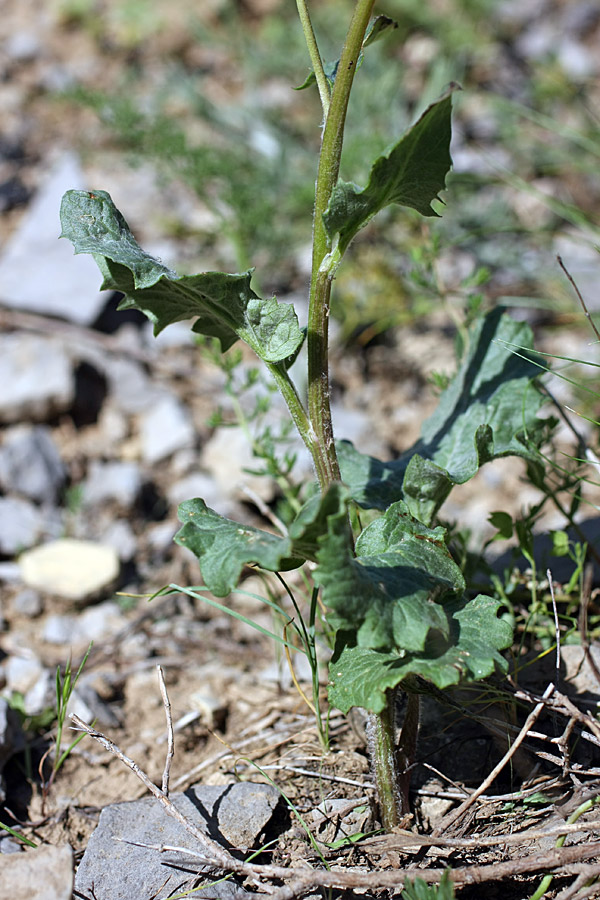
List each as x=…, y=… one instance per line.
x=488, y=411
x=223, y=547
x=412, y=174
x=385, y=594
x=360, y=676
x=225, y=305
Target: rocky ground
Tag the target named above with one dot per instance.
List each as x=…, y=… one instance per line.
x=105, y=430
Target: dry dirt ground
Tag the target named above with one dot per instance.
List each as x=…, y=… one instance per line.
x=244, y=717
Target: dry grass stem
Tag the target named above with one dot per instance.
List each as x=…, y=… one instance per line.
x=170, y=736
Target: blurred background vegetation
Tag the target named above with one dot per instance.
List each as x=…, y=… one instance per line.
x=204, y=93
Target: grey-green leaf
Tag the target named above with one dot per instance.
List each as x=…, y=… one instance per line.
x=489, y=410
x=412, y=174
x=385, y=594
x=225, y=306
x=360, y=676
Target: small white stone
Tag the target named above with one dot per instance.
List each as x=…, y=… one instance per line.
x=70, y=568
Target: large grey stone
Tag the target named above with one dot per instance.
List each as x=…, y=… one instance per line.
x=36, y=378
x=233, y=814
x=73, y=569
x=30, y=464
x=45, y=873
x=38, y=272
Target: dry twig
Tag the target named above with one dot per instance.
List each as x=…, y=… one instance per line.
x=564, y=860
x=452, y=817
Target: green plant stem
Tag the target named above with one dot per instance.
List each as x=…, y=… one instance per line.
x=407, y=748
x=383, y=753
x=315, y=56
x=323, y=266
x=301, y=421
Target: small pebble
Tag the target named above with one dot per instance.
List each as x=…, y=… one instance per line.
x=28, y=603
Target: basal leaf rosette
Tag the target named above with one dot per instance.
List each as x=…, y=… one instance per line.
x=399, y=609
x=360, y=676
x=385, y=593
x=223, y=305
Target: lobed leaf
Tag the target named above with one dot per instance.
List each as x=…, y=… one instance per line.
x=384, y=595
x=360, y=676
x=489, y=410
x=225, y=306
x=223, y=547
x=411, y=174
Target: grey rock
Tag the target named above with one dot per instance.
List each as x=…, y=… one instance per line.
x=22, y=673
x=226, y=456
x=10, y=573
x=45, y=873
x=73, y=569
x=11, y=739
x=579, y=675
x=22, y=46
x=160, y=536
x=93, y=624
x=42, y=695
x=580, y=256
x=59, y=629
x=195, y=485
x=336, y=819
x=131, y=391
x=121, y=537
x=100, y=622
x=539, y=40
x=38, y=272
x=86, y=703
x=357, y=426
x=22, y=524
x=30, y=464
x=518, y=13
x=165, y=428
x=119, y=481
x=28, y=603
x=239, y=812
x=10, y=845
x=579, y=62
x=36, y=378
x=244, y=809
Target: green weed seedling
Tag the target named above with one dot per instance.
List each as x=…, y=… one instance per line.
x=65, y=685
x=396, y=601
x=420, y=890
